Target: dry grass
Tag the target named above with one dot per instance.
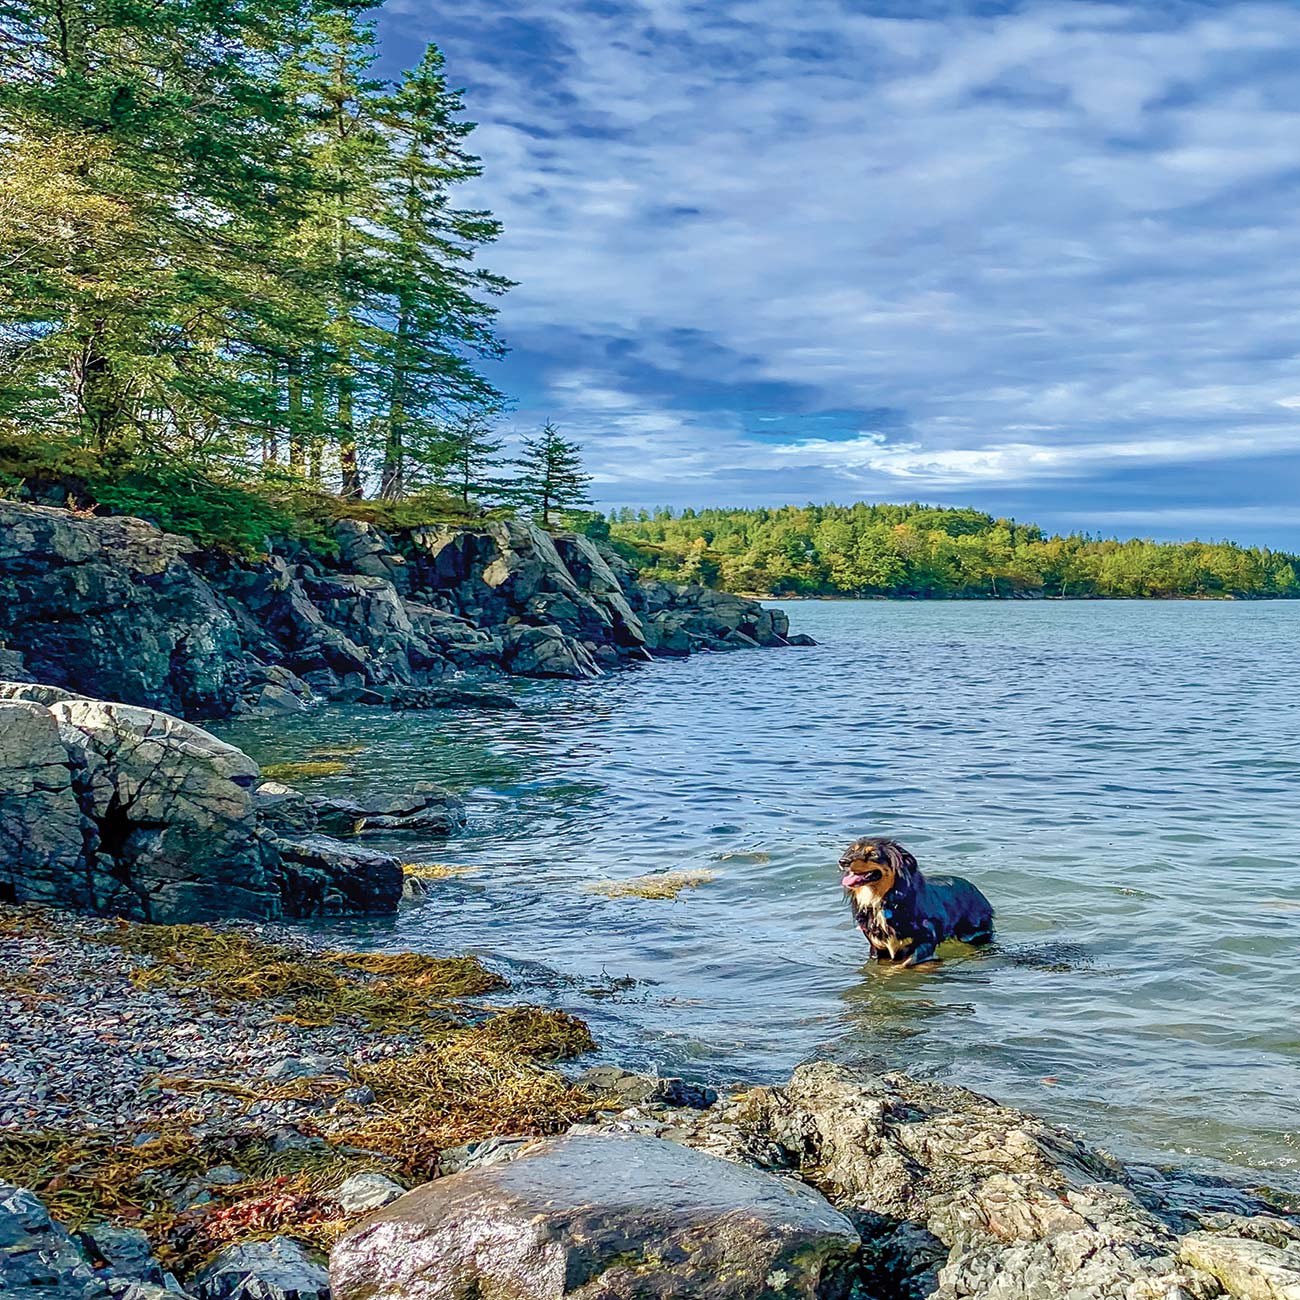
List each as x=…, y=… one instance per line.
x=667, y=884
x=289, y=773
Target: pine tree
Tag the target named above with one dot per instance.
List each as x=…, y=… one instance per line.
x=551, y=475
x=471, y=452
x=435, y=294
x=142, y=154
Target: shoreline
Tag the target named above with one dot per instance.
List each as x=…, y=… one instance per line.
x=247, y=1080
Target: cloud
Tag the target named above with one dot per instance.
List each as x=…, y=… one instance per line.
x=1058, y=239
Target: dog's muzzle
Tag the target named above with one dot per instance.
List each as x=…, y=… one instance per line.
x=856, y=879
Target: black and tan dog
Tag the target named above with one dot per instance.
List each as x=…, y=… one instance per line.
x=904, y=913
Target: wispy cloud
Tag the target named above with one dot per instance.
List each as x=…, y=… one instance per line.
x=1058, y=241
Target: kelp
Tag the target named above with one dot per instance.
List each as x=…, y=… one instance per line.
x=289, y=773
x=474, y=1084
x=386, y=992
x=666, y=884
x=434, y=870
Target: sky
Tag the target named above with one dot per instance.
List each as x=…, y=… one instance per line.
x=1040, y=259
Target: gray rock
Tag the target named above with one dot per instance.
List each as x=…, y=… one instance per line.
x=278, y=1269
x=1247, y=1268
x=125, y=1252
x=363, y=1192
x=608, y=1217
x=634, y=1089
x=318, y=876
x=42, y=831
x=172, y=808
x=113, y=607
x=37, y=1256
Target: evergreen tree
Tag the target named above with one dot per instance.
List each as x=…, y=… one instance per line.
x=471, y=453
x=143, y=159
x=551, y=475
x=434, y=292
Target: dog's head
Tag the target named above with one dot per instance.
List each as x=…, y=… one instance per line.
x=873, y=867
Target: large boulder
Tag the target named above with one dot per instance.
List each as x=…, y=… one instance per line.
x=173, y=813
x=114, y=608
x=42, y=832
x=600, y=1217
x=125, y=811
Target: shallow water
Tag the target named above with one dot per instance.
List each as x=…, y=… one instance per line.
x=1120, y=779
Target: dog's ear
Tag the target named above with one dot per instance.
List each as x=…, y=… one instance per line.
x=903, y=862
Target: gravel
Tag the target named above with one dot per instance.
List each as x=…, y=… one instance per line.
x=83, y=1049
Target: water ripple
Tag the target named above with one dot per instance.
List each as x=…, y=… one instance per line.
x=1119, y=778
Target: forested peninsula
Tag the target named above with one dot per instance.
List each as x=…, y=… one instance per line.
x=918, y=551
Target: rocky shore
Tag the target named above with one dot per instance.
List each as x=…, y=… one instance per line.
x=240, y=1112
x=197, y=1101
x=113, y=608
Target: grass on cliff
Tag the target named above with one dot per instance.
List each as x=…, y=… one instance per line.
x=226, y=506
x=385, y=992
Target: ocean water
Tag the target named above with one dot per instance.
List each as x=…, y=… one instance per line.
x=1121, y=779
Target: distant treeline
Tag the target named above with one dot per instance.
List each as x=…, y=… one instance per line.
x=924, y=551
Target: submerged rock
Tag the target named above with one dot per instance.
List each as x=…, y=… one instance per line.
x=608, y=1217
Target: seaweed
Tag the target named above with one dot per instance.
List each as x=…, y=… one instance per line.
x=288, y=773
x=667, y=884
x=473, y=1084
x=388, y=992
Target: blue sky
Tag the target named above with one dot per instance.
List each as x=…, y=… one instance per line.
x=1043, y=259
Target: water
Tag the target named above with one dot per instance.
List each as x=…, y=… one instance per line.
x=1119, y=778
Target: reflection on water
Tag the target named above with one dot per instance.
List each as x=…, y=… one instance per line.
x=1120, y=779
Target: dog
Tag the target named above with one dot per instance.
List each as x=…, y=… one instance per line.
x=904, y=913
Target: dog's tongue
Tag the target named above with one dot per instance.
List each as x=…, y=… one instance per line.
x=853, y=880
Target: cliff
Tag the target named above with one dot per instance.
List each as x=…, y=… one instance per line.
x=114, y=608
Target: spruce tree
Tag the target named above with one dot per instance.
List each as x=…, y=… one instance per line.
x=551, y=475
x=142, y=153
x=471, y=450
x=435, y=293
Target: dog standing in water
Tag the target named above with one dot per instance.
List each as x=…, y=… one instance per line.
x=903, y=913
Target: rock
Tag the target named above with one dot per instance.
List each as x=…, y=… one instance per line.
x=285, y=811
x=303, y=1067
x=545, y=652
x=119, y=810
x=42, y=831
x=37, y=1256
x=125, y=1252
x=634, y=1089
x=607, y=1217
x=278, y=1269
x=318, y=876
x=174, y=818
x=1247, y=1268
x=800, y=639
x=363, y=1192
x=114, y=608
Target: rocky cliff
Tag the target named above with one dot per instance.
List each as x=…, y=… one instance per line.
x=116, y=609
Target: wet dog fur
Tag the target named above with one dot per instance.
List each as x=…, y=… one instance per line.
x=904, y=913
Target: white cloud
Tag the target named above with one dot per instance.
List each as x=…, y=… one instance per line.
x=1060, y=241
